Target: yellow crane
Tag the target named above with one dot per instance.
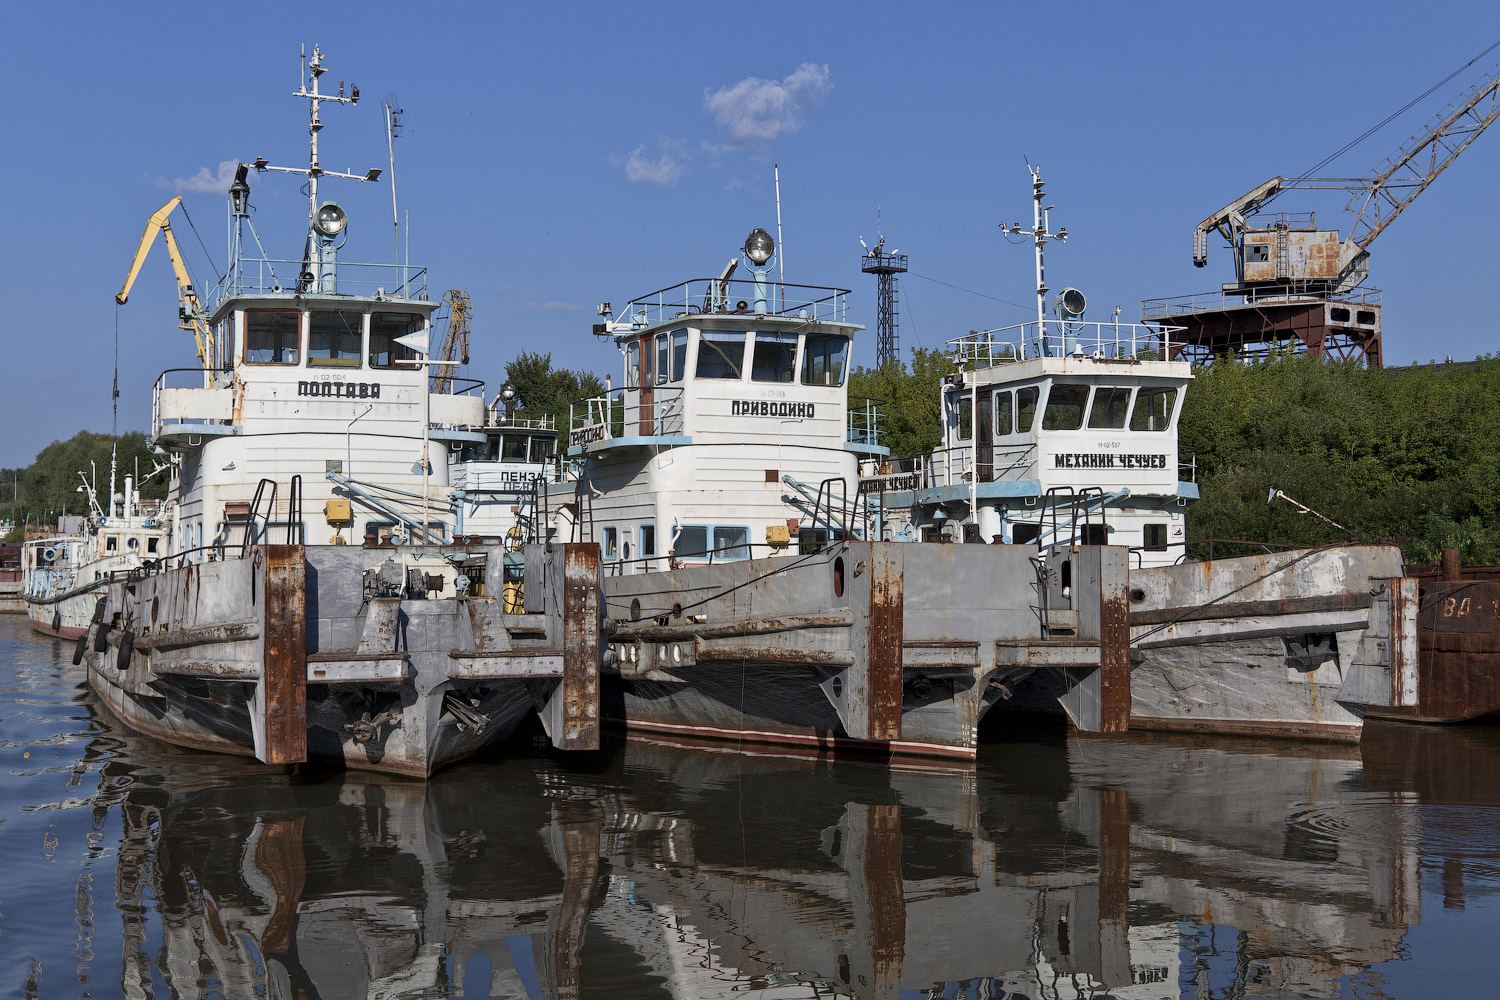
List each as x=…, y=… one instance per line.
x=455, y=338
x=189, y=309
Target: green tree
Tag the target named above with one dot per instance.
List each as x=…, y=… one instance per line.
x=45, y=490
x=910, y=419
x=544, y=390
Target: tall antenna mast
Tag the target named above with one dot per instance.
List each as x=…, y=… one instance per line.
x=780, y=246
x=885, y=267
x=1041, y=234
x=321, y=231
x=392, y=129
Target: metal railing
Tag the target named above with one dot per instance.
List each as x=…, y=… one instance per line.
x=614, y=415
x=710, y=296
x=1056, y=338
x=954, y=465
x=1291, y=293
x=271, y=276
x=464, y=387
x=1187, y=465
x=864, y=421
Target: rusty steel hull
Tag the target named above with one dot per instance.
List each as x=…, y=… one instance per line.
x=288, y=655
x=883, y=648
x=1459, y=648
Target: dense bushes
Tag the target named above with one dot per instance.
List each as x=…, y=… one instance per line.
x=1411, y=454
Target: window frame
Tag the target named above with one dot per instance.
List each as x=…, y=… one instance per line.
x=809, y=355
x=705, y=338
x=369, y=340
x=340, y=362
x=1083, y=408
x=300, y=339
x=778, y=340
x=1094, y=397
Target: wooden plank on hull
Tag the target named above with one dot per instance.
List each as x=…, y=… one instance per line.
x=284, y=659
x=580, y=680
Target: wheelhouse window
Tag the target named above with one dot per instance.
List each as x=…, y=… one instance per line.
x=647, y=545
x=823, y=358
x=678, y=359
x=731, y=542
x=542, y=448
x=775, y=357
x=1153, y=409
x=1026, y=402
x=692, y=542
x=611, y=544
x=1111, y=403
x=333, y=338
x=384, y=329
x=1004, y=422
x=633, y=364
x=1065, y=405
x=1155, y=537
x=513, y=448
x=721, y=355
x=272, y=337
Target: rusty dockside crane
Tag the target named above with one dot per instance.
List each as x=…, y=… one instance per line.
x=1297, y=283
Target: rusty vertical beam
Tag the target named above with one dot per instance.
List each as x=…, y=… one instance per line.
x=580, y=680
x=1453, y=565
x=1114, y=638
x=887, y=897
x=1114, y=886
x=581, y=857
x=284, y=654
x=882, y=660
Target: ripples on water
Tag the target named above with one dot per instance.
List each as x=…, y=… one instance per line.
x=1138, y=868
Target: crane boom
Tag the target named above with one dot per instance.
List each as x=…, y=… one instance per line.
x=455, y=338
x=189, y=308
x=1319, y=258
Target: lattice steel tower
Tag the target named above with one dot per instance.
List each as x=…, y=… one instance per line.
x=885, y=267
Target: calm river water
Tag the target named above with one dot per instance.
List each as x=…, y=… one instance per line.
x=1138, y=868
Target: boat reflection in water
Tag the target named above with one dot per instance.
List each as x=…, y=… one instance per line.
x=1135, y=868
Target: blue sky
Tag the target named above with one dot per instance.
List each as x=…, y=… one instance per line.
x=556, y=156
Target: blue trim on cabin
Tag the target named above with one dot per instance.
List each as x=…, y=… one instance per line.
x=455, y=434
x=866, y=449
x=196, y=430
x=1188, y=490
x=663, y=440
x=959, y=492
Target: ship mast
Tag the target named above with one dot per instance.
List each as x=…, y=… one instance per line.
x=324, y=222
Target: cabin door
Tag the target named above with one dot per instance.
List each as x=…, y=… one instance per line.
x=648, y=387
x=984, y=427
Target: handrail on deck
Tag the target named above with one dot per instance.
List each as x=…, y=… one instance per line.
x=733, y=297
x=615, y=415
x=1056, y=338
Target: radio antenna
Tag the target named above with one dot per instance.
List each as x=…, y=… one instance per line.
x=780, y=246
x=393, y=115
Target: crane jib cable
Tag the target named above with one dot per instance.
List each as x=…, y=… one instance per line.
x=1312, y=171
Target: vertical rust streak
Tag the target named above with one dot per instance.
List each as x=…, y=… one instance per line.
x=280, y=858
x=887, y=626
x=1114, y=640
x=887, y=897
x=1114, y=856
x=581, y=853
x=284, y=663
x=580, y=680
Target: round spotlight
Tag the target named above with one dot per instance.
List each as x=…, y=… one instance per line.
x=331, y=219
x=508, y=391
x=759, y=246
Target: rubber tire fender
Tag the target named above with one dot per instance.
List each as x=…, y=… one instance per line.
x=127, y=649
x=80, y=647
x=101, y=637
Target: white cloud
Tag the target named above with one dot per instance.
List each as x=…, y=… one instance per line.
x=756, y=111
x=553, y=306
x=664, y=170
x=202, y=180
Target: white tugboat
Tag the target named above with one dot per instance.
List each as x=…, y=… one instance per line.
x=748, y=598
x=1064, y=431
x=314, y=602
x=62, y=577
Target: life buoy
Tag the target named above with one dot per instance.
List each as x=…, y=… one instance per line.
x=49, y=553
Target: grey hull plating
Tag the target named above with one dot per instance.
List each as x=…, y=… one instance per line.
x=221, y=656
